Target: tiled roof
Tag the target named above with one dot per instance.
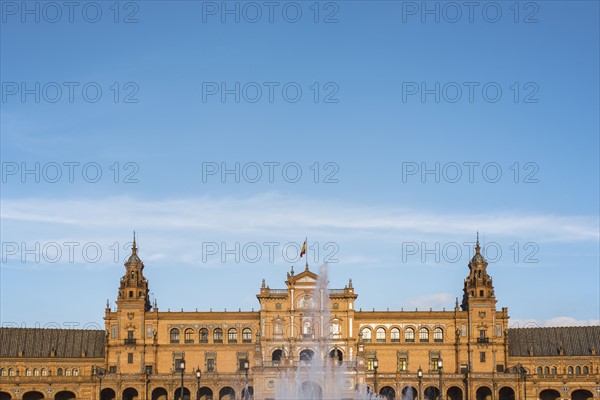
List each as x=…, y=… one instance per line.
x=37, y=342
x=574, y=341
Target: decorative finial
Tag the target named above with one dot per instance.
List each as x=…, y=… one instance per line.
x=477, y=248
x=263, y=283
x=456, y=302
x=134, y=246
x=350, y=282
x=292, y=271
x=107, y=304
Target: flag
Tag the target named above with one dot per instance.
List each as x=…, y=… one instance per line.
x=303, y=251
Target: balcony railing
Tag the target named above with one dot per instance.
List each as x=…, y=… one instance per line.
x=483, y=340
x=130, y=342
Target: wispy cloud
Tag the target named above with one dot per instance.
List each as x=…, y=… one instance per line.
x=550, y=322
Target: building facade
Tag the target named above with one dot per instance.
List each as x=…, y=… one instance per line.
x=307, y=334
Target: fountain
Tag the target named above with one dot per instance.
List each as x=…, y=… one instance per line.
x=318, y=375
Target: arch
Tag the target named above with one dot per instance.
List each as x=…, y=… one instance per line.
x=586, y=370
x=186, y=393
x=409, y=335
x=366, y=334
x=431, y=393
x=59, y=372
x=483, y=393
x=578, y=370
x=570, y=370
x=336, y=354
x=203, y=335
x=380, y=335
x=36, y=372
x=64, y=395
x=75, y=372
x=108, y=394
x=549, y=394
x=307, y=355
x=188, y=336
x=160, y=394
x=394, y=335
x=310, y=390
x=540, y=371
x=174, y=335
x=227, y=393
x=387, y=392
x=44, y=372
x=438, y=335
x=250, y=393
x=247, y=335
x=3, y=372
x=553, y=370
x=506, y=393
x=423, y=335
x=218, y=335
x=206, y=393
x=546, y=370
x=232, y=335
x=581, y=394
x=455, y=393
x=130, y=394
x=67, y=372
x=33, y=396
x=11, y=372
x=409, y=393
x=4, y=396
x=28, y=372
x=276, y=355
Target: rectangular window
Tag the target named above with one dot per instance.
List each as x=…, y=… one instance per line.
x=433, y=363
x=500, y=368
x=129, y=358
x=402, y=364
x=112, y=369
x=149, y=369
x=482, y=356
x=371, y=364
x=210, y=365
x=113, y=331
x=148, y=331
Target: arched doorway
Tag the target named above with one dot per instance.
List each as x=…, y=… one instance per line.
x=250, y=393
x=4, y=396
x=227, y=393
x=581, y=394
x=306, y=355
x=206, y=393
x=310, y=390
x=64, y=395
x=130, y=394
x=484, y=393
x=507, y=393
x=276, y=356
x=108, y=394
x=160, y=394
x=409, y=393
x=454, y=393
x=431, y=393
x=387, y=392
x=549, y=394
x=336, y=354
x=33, y=396
x=186, y=393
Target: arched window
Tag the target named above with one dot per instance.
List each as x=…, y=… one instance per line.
x=366, y=335
x=3, y=372
x=218, y=335
x=28, y=372
x=232, y=335
x=44, y=372
x=539, y=371
x=75, y=372
x=380, y=335
x=67, y=372
x=395, y=335
x=553, y=370
x=423, y=335
x=578, y=370
x=59, y=372
x=174, y=335
x=546, y=370
x=189, y=335
x=438, y=335
x=36, y=372
x=335, y=330
x=278, y=328
x=247, y=335
x=307, y=330
x=570, y=371
x=586, y=370
x=203, y=335
x=409, y=335
x=11, y=372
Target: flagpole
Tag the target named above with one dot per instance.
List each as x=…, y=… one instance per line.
x=306, y=253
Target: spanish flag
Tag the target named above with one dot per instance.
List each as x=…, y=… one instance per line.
x=303, y=251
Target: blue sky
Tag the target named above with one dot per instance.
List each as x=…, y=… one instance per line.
x=370, y=96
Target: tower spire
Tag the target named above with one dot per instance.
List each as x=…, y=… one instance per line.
x=134, y=245
x=477, y=247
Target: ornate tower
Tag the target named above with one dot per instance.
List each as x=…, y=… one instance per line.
x=478, y=288
x=133, y=290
